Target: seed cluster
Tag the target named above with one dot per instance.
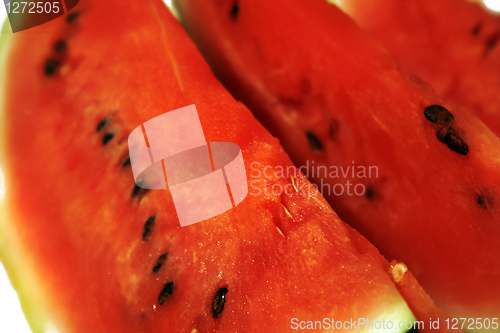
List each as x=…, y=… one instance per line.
x=490, y=42
x=442, y=120
x=104, y=128
x=59, y=50
x=108, y=136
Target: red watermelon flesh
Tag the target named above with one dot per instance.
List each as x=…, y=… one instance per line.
x=452, y=44
x=90, y=251
x=427, y=171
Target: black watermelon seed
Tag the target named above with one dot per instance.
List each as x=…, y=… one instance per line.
x=476, y=29
x=481, y=201
x=313, y=141
x=438, y=115
x=102, y=124
x=484, y=199
x=138, y=192
x=148, y=227
x=72, y=16
x=126, y=162
x=50, y=67
x=370, y=193
x=159, y=263
x=492, y=41
x=107, y=137
x=448, y=136
x=60, y=45
x=166, y=292
x=235, y=10
x=218, y=302
x=334, y=128
x=413, y=330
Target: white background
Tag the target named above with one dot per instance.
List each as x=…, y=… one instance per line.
x=11, y=317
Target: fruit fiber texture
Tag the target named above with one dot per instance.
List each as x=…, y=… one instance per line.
x=89, y=251
x=452, y=44
x=339, y=103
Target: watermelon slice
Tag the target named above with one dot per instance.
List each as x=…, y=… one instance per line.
x=452, y=44
x=91, y=251
x=414, y=173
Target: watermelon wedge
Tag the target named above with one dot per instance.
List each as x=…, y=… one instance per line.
x=417, y=175
x=452, y=44
x=91, y=251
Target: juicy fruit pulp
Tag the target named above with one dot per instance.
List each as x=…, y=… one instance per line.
x=108, y=256
x=452, y=44
x=336, y=98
